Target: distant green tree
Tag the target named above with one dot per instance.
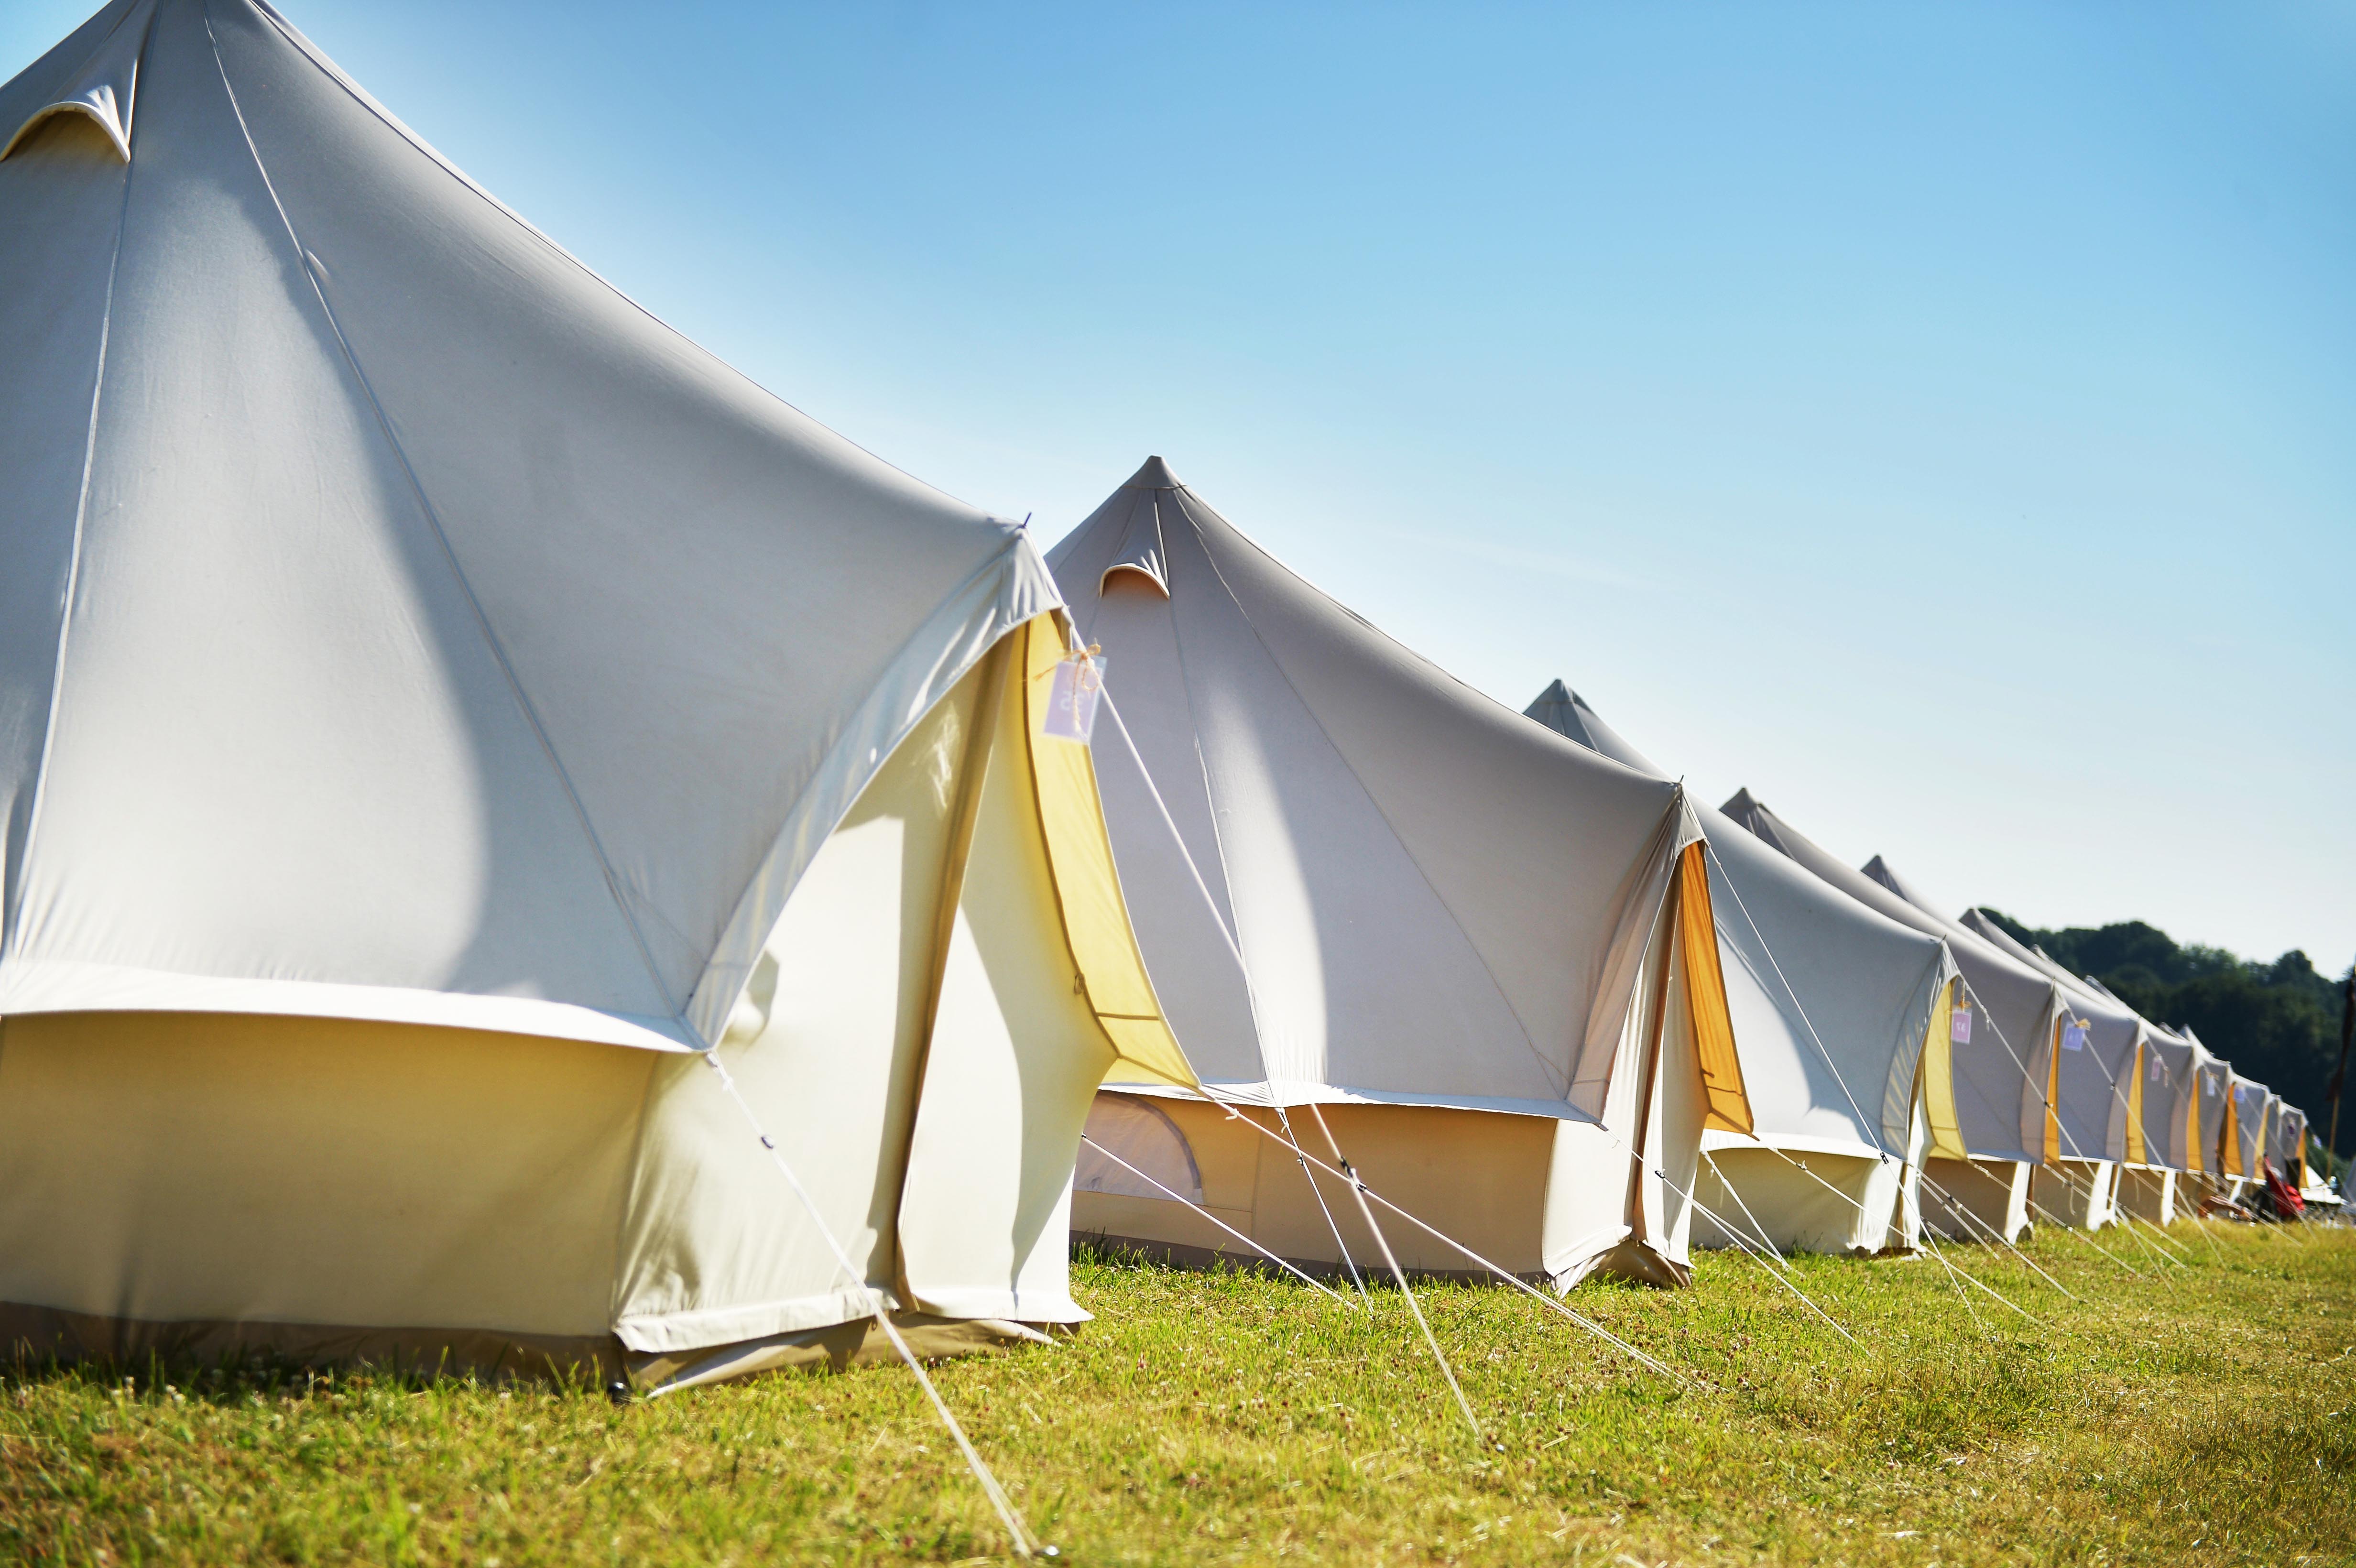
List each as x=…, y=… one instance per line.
x=2278, y=1022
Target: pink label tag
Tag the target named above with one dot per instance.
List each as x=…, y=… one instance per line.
x=1072, y=700
x=1959, y=1027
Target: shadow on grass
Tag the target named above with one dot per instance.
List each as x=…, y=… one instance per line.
x=240, y=1376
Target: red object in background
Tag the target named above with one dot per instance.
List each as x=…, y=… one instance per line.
x=2287, y=1201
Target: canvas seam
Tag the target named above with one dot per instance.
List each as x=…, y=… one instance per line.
x=1562, y=1084
x=394, y=124
x=615, y=887
x=14, y=935
x=1211, y=811
x=997, y=562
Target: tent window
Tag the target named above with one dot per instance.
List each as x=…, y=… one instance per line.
x=1134, y=577
x=72, y=129
x=1141, y=1133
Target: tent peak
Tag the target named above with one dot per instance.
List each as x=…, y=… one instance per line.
x=1154, y=476
x=1567, y=713
x=1742, y=804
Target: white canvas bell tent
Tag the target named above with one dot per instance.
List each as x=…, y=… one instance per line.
x=2159, y=1139
x=2281, y=1140
x=1832, y=1005
x=2242, y=1140
x=1994, y=1082
x=2300, y=1170
x=2249, y=1112
x=2156, y=1187
x=2212, y=1085
x=438, y=703
x=2289, y=1145
x=1468, y=943
x=2090, y=1063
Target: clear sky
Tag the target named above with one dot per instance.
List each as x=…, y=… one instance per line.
x=1941, y=420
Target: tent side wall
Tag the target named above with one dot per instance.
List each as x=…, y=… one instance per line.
x=2166, y=1102
x=1480, y=1176
x=1803, y=1202
x=1966, y=1200
x=827, y=1047
x=2150, y=1192
x=319, y=1189
x=2207, y=1121
x=1541, y=1196
x=1042, y=982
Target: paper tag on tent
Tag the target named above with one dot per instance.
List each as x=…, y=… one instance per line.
x=2074, y=1038
x=1072, y=699
x=1959, y=1027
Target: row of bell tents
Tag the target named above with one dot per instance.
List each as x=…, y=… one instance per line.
x=488, y=792
x=1585, y=1022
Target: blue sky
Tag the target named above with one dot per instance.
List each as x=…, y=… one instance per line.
x=1941, y=420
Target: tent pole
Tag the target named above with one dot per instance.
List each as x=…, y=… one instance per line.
x=2340, y=1079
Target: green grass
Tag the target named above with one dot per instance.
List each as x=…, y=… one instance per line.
x=2205, y=1415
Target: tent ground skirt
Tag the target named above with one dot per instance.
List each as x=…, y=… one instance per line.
x=1804, y=1202
x=1178, y=1255
x=1993, y=1193
x=2148, y=1193
x=2080, y=1193
x=837, y=1347
x=41, y=1333
x=319, y=1189
x=1479, y=1176
x=1488, y=1180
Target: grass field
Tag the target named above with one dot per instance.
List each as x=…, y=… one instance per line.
x=2204, y=1414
